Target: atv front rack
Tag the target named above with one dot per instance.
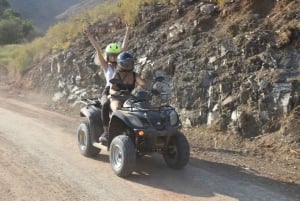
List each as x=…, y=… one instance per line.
x=157, y=109
x=90, y=101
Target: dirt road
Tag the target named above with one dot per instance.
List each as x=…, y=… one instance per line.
x=39, y=160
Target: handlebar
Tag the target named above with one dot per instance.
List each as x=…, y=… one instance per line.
x=89, y=101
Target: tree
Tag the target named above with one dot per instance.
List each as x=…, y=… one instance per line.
x=10, y=13
x=13, y=29
x=10, y=32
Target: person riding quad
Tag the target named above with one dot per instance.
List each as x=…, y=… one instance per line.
x=108, y=64
x=128, y=80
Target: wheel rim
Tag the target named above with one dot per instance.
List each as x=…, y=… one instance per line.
x=82, y=140
x=116, y=156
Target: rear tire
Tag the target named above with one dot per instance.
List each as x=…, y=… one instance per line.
x=84, y=140
x=122, y=155
x=177, y=153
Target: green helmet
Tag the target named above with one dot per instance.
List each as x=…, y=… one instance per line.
x=112, y=48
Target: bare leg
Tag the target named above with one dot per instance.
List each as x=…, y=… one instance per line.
x=114, y=104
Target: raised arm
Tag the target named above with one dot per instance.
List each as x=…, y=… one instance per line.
x=125, y=40
x=103, y=62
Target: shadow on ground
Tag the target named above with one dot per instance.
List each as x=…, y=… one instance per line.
x=201, y=178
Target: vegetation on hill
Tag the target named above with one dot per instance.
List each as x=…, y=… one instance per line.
x=60, y=35
x=13, y=29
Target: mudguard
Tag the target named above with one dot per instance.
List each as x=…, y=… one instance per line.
x=93, y=114
x=119, y=123
x=124, y=117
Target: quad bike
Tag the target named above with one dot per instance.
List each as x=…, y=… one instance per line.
x=138, y=128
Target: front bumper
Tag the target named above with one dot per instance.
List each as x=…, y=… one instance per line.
x=153, y=139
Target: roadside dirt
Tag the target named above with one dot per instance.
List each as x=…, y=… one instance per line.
x=266, y=156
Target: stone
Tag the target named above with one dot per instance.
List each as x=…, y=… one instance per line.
x=208, y=8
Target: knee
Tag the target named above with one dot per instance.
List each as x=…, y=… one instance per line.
x=114, y=105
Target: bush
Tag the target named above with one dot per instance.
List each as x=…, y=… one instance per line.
x=10, y=32
x=129, y=9
x=13, y=29
x=221, y=2
x=6, y=55
x=22, y=59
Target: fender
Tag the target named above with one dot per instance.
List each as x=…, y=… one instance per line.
x=118, y=121
x=93, y=114
x=125, y=118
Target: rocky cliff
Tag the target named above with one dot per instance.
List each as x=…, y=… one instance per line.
x=235, y=67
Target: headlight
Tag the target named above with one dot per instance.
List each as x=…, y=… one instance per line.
x=127, y=104
x=173, y=118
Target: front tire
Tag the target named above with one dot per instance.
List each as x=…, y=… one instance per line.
x=84, y=140
x=177, y=153
x=122, y=155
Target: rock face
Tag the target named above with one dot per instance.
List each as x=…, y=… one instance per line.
x=234, y=67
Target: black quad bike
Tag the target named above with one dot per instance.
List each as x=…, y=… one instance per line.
x=138, y=128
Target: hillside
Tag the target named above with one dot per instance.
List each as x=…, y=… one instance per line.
x=44, y=13
x=233, y=73
x=79, y=7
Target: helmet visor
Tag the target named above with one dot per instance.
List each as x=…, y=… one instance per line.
x=126, y=65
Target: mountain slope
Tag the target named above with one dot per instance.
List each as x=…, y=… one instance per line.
x=240, y=63
x=79, y=7
x=43, y=13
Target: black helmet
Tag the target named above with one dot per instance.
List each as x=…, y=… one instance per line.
x=125, y=61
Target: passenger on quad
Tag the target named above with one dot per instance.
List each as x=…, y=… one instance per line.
x=128, y=80
x=136, y=127
x=108, y=64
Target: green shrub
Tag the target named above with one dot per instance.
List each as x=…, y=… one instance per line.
x=221, y=2
x=13, y=29
x=99, y=12
x=129, y=9
x=22, y=59
x=6, y=55
x=60, y=35
x=10, y=32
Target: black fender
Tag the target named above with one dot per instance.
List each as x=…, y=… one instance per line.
x=119, y=124
x=93, y=114
x=124, y=117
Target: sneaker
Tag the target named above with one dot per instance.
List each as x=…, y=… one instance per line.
x=103, y=137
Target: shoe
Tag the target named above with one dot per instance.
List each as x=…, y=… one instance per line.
x=103, y=137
